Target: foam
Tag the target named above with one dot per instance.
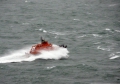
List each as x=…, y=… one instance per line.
x=20, y=55
x=114, y=55
x=105, y=49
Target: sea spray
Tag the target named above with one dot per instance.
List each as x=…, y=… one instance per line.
x=23, y=55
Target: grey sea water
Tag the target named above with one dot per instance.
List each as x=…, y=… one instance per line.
x=90, y=29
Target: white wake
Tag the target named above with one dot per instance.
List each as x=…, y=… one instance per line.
x=20, y=55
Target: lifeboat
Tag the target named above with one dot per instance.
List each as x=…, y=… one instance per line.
x=44, y=45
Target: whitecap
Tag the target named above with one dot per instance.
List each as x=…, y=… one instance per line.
x=101, y=48
x=107, y=29
x=39, y=29
x=97, y=43
x=44, y=31
x=57, y=33
x=96, y=35
x=117, y=30
x=51, y=67
x=81, y=36
x=62, y=32
x=114, y=55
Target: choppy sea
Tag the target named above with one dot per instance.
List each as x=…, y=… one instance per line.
x=90, y=29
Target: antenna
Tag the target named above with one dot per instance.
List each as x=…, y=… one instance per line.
x=42, y=39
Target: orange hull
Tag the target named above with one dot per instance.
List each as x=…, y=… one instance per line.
x=36, y=49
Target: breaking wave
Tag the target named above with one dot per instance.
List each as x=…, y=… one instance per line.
x=114, y=55
x=22, y=55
